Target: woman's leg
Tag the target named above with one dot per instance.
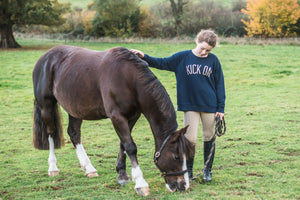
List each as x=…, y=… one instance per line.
x=208, y=123
x=192, y=119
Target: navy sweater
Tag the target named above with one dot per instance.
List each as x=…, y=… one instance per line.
x=200, y=81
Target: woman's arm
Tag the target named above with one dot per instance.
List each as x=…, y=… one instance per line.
x=169, y=63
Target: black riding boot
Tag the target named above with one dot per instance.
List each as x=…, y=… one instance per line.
x=207, y=175
x=190, y=163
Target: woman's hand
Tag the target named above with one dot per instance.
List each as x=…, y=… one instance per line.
x=221, y=115
x=138, y=53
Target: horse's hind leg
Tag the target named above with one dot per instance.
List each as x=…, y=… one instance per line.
x=49, y=115
x=75, y=135
x=53, y=170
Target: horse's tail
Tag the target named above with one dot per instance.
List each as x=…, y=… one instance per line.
x=40, y=135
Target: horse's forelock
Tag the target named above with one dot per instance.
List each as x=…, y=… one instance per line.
x=185, y=146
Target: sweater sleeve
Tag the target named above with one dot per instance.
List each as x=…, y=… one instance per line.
x=169, y=63
x=220, y=88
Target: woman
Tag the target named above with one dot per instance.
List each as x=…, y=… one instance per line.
x=200, y=90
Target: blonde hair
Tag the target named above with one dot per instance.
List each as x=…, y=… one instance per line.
x=207, y=36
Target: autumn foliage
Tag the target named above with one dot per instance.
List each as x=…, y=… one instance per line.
x=271, y=18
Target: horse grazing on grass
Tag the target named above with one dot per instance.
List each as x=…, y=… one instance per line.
x=115, y=84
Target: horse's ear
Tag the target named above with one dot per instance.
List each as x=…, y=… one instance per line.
x=183, y=130
x=180, y=132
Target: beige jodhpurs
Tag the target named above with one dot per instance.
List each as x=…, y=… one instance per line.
x=192, y=119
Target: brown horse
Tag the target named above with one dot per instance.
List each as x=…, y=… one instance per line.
x=115, y=84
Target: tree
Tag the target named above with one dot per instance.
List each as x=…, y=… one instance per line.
x=177, y=11
x=25, y=12
x=271, y=18
x=117, y=18
x=148, y=23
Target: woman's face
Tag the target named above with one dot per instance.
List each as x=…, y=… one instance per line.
x=203, y=49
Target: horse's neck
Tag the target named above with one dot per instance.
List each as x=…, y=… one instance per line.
x=162, y=123
x=156, y=105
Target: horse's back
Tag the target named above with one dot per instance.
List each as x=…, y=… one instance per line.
x=88, y=84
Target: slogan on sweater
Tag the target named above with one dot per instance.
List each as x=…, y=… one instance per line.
x=198, y=69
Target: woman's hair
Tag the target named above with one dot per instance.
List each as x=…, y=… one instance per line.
x=207, y=36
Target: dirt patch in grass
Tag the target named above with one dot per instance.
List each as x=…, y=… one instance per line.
x=254, y=174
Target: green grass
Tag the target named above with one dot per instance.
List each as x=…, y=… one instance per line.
x=258, y=158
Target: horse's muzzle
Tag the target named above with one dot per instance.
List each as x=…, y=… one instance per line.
x=175, y=186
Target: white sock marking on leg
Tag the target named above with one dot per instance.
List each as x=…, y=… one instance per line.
x=84, y=160
x=137, y=177
x=52, y=159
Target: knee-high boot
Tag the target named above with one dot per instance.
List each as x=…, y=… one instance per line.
x=190, y=163
x=207, y=174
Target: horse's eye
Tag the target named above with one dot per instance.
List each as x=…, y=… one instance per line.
x=176, y=157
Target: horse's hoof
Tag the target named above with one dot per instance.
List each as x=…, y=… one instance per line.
x=123, y=178
x=92, y=174
x=53, y=173
x=124, y=181
x=144, y=191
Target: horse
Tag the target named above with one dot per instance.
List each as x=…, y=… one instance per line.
x=114, y=84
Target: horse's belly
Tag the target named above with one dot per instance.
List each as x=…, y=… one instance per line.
x=79, y=101
x=84, y=112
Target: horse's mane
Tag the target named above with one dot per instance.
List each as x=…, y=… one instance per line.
x=123, y=54
x=152, y=86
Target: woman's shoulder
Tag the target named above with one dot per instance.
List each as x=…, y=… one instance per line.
x=182, y=54
x=213, y=57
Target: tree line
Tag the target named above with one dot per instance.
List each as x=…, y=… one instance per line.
x=170, y=18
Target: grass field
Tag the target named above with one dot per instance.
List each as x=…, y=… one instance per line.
x=258, y=158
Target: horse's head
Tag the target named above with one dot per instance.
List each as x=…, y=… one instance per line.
x=171, y=160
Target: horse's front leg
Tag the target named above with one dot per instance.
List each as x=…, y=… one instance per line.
x=75, y=136
x=121, y=126
x=141, y=186
x=123, y=177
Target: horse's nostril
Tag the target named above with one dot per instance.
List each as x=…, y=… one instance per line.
x=173, y=186
x=181, y=186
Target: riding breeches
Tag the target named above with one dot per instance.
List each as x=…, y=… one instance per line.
x=192, y=119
